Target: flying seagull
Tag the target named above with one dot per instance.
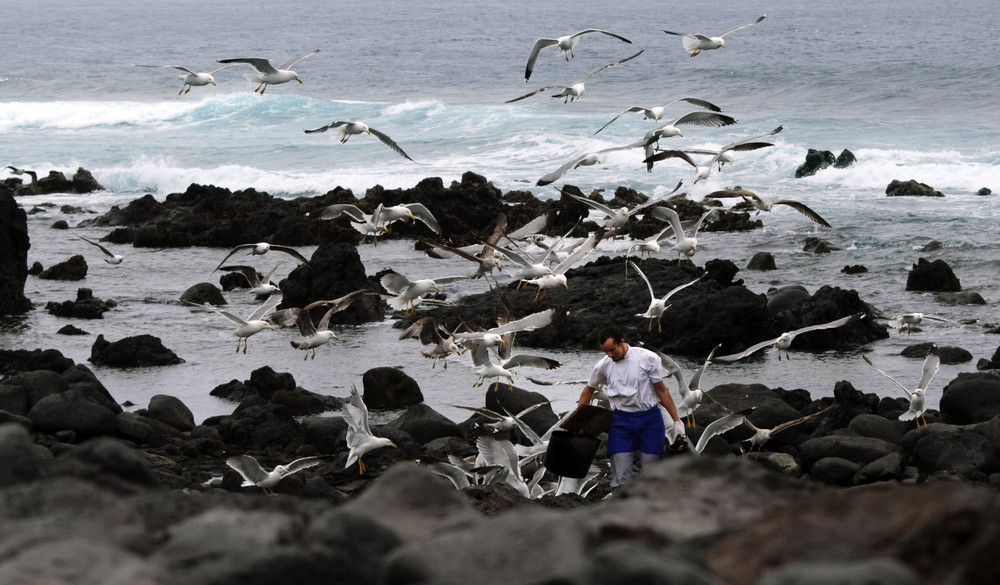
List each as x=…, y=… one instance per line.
x=253, y=324
x=258, y=286
x=432, y=333
x=656, y=112
x=695, y=43
x=762, y=204
x=263, y=248
x=683, y=244
x=191, y=78
x=574, y=91
x=691, y=392
x=112, y=258
x=566, y=44
x=615, y=218
x=350, y=128
x=657, y=306
x=703, y=171
x=360, y=439
x=315, y=335
x=254, y=474
x=908, y=320
x=268, y=74
x=784, y=341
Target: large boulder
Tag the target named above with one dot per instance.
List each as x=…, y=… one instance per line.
x=72, y=410
x=971, y=398
x=912, y=187
x=13, y=256
x=86, y=306
x=816, y=160
x=334, y=270
x=202, y=293
x=424, y=424
x=386, y=387
x=132, y=352
x=934, y=276
x=73, y=269
x=84, y=182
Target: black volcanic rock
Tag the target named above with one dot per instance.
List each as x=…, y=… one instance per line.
x=132, y=352
x=816, y=160
x=334, y=270
x=934, y=276
x=73, y=269
x=912, y=187
x=84, y=307
x=14, y=246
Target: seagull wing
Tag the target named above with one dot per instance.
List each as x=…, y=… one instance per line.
x=832, y=324
x=931, y=364
x=357, y=412
x=652, y=295
x=233, y=251
x=804, y=210
x=420, y=211
x=895, y=381
x=303, y=463
x=603, y=67
x=700, y=118
x=337, y=305
x=718, y=427
x=538, y=46
x=540, y=89
x=731, y=193
x=217, y=68
x=665, y=213
x=534, y=361
x=695, y=383
x=597, y=30
x=579, y=254
x=295, y=60
x=675, y=370
x=102, y=248
x=248, y=273
x=738, y=145
x=390, y=143
x=234, y=318
x=558, y=173
x=259, y=63
x=677, y=289
x=665, y=154
x=334, y=124
x=736, y=356
x=645, y=111
x=336, y=210
x=529, y=323
x=248, y=467
x=696, y=102
x=701, y=220
x=395, y=282
x=294, y=316
x=598, y=206
x=532, y=227
x=425, y=329
x=267, y=277
x=743, y=26
x=271, y=302
x=490, y=414
x=291, y=252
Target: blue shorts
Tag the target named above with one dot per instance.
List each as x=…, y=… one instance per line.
x=637, y=431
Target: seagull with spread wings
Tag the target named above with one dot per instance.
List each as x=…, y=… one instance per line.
x=191, y=78
x=253, y=324
x=784, y=341
x=254, y=474
x=430, y=332
x=350, y=128
x=557, y=276
x=762, y=204
x=263, y=248
x=703, y=171
x=112, y=258
x=695, y=43
x=916, y=396
x=657, y=306
x=908, y=320
x=315, y=335
x=566, y=44
x=406, y=294
x=360, y=439
x=258, y=285
x=616, y=218
x=573, y=91
x=269, y=75
x=656, y=112
x=683, y=244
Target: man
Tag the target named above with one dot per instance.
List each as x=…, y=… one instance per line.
x=635, y=389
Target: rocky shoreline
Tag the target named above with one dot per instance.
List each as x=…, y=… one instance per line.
x=90, y=491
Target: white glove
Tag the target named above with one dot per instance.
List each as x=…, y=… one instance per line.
x=679, y=430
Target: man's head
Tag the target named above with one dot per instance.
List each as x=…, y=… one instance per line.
x=612, y=342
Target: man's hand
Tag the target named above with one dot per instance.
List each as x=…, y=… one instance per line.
x=679, y=429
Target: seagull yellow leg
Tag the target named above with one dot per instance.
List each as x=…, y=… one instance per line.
x=361, y=467
x=314, y=353
x=181, y=91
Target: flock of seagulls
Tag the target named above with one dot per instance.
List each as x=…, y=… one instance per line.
x=492, y=350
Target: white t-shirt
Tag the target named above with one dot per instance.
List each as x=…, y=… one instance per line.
x=630, y=380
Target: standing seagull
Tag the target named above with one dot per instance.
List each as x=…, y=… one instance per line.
x=190, y=78
x=762, y=204
x=350, y=128
x=574, y=91
x=703, y=171
x=268, y=74
x=360, y=439
x=263, y=248
x=916, y=411
x=657, y=306
x=114, y=258
x=695, y=43
x=564, y=44
x=784, y=341
x=683, y=244
x=254, y=474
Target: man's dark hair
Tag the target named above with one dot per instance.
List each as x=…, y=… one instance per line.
x=609, y=332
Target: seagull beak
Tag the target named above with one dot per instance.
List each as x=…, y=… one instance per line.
x=393, y=445
x=271, y=328
x=680, y=134
x=213, y=83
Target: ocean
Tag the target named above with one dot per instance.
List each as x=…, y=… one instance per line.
x=909, y=87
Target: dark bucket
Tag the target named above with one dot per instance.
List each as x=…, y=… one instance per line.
x=570, y=454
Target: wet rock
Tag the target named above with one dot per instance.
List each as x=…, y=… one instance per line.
x=84, y=307
x=990, y=364
x=932, y=246
x=819, y=246
x=73, y=269
x=816, y=160
x=28, y=360
x=934, y=276
x=18, y=462
x=385, y=387
x=984, y=191
x=970, y=398
x=14, y=246
x=912, y=187
x=947, y=353
x=84, y=181
x=261, y=427
x=36, y=269
x=71, y=329
x=74, y=411
x=60, y=225
x=55, y=182
x=170, y=410
x=854, y=269
x=943, y=448
x=334, y=270
x=132, y=352
x=786, y=297
x=845, y=159
x=835, y=470
x=961, y=298
x=203, y=292
x=883, y=571
x=424, y=424
x=762, y=261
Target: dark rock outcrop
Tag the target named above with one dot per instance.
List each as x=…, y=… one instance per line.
x=84, y=307
x=385, y=387
x=202, y=293
x=762, y=261
x=971, y=398
x=816, y=160
x=73, y=269
x=132, y=352
x=934, y=276
x=334, y=270
x=84, y=182
x=13, y=257
x=912, y=187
